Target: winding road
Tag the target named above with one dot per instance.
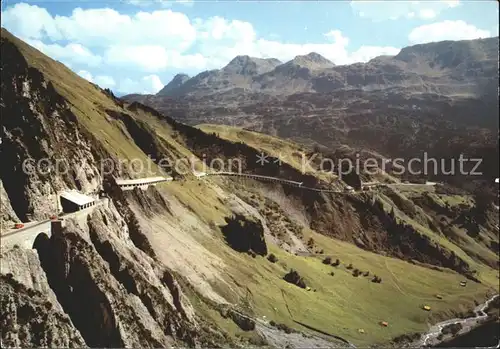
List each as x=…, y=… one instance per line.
x=301, y=186
x=26, y=236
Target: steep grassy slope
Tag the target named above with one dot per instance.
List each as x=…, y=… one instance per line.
x=179, y=229
x=276, y=148
x=89, y=103
x=339, y=304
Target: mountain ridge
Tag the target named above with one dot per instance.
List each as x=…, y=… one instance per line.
x=447, y=87
x=176, y=82
x=472, y=58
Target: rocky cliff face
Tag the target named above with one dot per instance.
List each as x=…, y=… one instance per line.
x=31, y=314
x=91, y=283
x=7, y=214
x=44, y=149
x=115, y=295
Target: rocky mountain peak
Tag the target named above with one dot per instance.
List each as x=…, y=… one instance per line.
x=176, y=82
x=180, y=77
x=450, y=54
x=312, y=60
x=240, y=60
x=246, y=65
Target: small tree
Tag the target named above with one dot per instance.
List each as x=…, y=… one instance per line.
x=349, y=267
x=337, y=263
x=327, y=260
x=272, y=258
x=293, y=277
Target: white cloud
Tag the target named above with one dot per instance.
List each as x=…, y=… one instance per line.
x=102, y=27
x=365, y=53
x=152, y=58
x=393, y=10
x=70, y=53
x=105, y=81
x=86, y=75
x=149, y=84
x=427, y=13
x=446, y=30
x=218, y=28
x=337, y=37
x=101, y=80
x=159, y=40
x=29, y=21
x=149, y=58
x=154, y=82
x=143, y=43
x=336, y=50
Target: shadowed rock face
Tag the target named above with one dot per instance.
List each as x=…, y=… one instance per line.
x=176, y=82
x=243, y=322
x=294, y=278
x=113, y=292
x=38, y=125
x=31, y=315
x=245, y=235
x=484, y=336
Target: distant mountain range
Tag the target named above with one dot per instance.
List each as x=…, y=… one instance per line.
x=448, y=67
x=439, y=97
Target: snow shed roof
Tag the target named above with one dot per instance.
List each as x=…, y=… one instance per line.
x=77, y=198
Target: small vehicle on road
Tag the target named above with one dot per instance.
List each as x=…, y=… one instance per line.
x=18, y=225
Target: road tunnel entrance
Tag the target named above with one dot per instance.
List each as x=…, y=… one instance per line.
x=73, y=201
x=41, y=241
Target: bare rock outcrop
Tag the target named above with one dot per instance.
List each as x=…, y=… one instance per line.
x=43, y=131
x=31, y=316
x=112, y=290
x=7, y=214
x=245, y=234
x=142, y=275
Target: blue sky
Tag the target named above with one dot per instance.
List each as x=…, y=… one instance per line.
x=139, y=45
